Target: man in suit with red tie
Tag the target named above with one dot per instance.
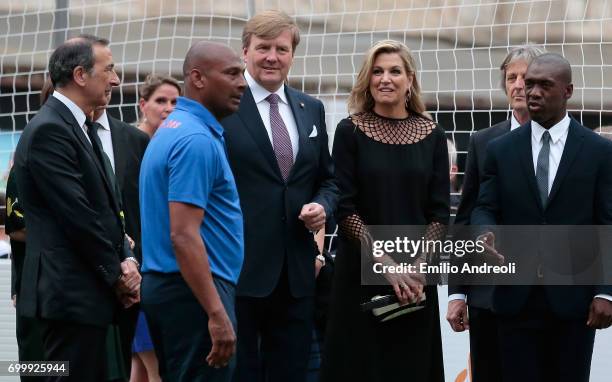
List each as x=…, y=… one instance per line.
x=278, y=151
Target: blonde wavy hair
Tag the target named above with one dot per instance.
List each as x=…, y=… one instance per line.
x=361, y=99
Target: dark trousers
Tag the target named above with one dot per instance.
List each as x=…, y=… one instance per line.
x=29, y=342
x=83, y=346
x=484, y=346
x=126, y=321
x=537, y=346
x=179, y=328
x=274, y=336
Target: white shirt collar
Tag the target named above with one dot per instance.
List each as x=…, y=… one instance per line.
x=260, y=93
x=558, y=131
x=103, y=120
x=514, y=123
x=79, y=115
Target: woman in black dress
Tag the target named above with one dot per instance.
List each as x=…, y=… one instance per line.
x=392, y=169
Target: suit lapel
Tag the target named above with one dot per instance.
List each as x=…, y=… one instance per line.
x=119, y=150
x=109, y=186
x=67, y=116
x=573, y=144
x=249, y=114
x=299, y=115
x=505, y=126
x=526, y=156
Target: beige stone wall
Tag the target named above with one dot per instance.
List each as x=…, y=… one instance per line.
x=486, y=21
x=458, y=44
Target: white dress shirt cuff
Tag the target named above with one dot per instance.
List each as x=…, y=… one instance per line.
x=456, y=296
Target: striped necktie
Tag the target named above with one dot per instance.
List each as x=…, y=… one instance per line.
x=281, y=143
x=542, y=168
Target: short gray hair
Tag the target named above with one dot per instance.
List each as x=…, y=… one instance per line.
x=523, y=52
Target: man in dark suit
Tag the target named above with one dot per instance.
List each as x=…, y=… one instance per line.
x=75, y=245
x=278, y=150
x=552, y=171
x=129, y=145
x=125, y=146
x=482, y=324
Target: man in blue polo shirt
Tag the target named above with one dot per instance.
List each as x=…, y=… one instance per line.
x=192, y=230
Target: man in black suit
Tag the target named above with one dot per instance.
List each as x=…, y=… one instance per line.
x=76, y=248
x=278, y=151
x=481, y=322
x=125, y=146
x=129, y=145
x=552, y=171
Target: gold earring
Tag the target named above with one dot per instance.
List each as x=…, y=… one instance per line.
x=407, y=99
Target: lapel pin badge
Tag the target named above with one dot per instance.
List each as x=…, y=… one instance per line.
x=302, y=105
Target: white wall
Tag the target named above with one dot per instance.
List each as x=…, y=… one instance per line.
x=8, y=344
